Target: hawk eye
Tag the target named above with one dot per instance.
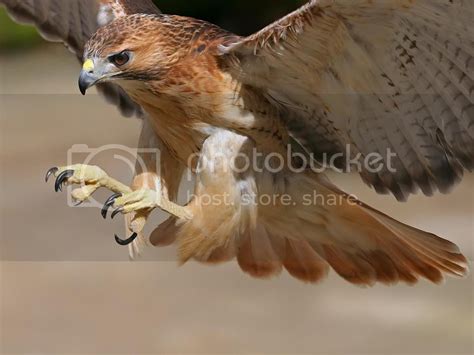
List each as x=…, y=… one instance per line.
x=120, y=59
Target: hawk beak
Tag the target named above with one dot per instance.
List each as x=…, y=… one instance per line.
x=87, y=78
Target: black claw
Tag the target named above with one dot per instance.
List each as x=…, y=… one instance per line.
x=50, y=172
x=78, y=203
x=110, y=201
x=62, y=178
x=125, y=242
x=116, y=212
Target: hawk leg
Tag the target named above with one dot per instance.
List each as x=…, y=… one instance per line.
x=125, y=200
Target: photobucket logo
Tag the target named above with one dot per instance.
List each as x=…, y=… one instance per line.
x=130, y=160
x=294, y=161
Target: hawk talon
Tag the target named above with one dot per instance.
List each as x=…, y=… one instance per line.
x=50, y=172
x=62, y=178
x=124, y=200
x=125, y=242
x=110, y=202
x=117, y=211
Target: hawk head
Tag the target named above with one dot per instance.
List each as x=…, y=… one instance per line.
x=131, y=48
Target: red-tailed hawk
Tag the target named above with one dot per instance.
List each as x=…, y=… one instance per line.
x=338, y=79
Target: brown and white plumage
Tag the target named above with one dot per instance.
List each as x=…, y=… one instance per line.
x=364, y=74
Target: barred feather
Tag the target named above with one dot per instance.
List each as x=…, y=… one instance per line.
x=373, y=75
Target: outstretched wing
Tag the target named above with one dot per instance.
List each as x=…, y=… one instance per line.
x=73, y=22
x=373, y=76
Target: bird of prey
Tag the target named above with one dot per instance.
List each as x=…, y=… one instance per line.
x=335, y=78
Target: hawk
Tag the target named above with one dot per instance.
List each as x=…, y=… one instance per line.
x=335, y=78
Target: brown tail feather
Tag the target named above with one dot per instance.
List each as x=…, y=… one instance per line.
x=222, y=254
x=424, y=248
x=303, y=262
x=350, y=267
x=442, y=253
x=257, y=256
x=386, y=270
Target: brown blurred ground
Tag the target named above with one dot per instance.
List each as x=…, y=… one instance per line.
x=67, y=288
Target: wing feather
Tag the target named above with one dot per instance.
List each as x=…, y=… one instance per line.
x=372, y=75
x=73, y=22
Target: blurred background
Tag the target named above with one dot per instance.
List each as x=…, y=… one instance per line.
x=66, y=287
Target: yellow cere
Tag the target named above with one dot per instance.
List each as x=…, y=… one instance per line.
x=88, y=65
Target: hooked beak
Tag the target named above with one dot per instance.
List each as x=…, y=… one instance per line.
x=88, y=77
x=86, y=80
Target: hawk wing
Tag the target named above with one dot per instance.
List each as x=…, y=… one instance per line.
x=372, y=76
x=73, y=22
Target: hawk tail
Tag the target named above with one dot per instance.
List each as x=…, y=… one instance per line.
x=361, y=244
x=367, y=246
x=304, y=235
